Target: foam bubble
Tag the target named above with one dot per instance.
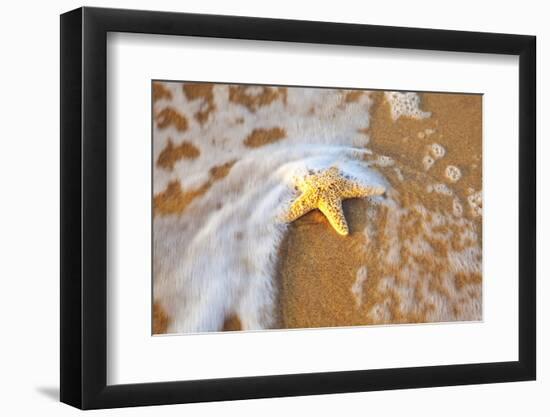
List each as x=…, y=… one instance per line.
x=437, y=151
x=427, y=161
x=453, y=173
x=442, y=189
x=405, y=104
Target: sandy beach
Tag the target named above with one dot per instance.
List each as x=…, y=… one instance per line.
x=225, y=161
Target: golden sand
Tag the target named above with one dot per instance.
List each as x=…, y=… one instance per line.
x=262, y=137
x=160, y=319
x=174, y=200
x=160, y=92
x=353, y=95
x=172, y=154
x=253, y=100
x=171, y=117
x=318, y=268
x=204, y=91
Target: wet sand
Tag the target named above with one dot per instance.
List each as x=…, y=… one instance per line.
x=318, y=267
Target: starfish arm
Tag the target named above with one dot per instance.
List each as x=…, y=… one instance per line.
x=301, y=206
x=332, y=209
x=356, y=190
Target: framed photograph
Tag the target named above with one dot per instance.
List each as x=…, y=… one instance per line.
x=257, y=208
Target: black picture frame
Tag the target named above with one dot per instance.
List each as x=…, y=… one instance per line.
x=84, y=207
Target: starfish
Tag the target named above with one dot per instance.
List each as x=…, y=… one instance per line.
x=325, y=191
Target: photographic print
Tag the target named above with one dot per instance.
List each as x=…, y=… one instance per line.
x=290, y=207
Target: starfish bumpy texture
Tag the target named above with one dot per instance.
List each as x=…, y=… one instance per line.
x=325, y=191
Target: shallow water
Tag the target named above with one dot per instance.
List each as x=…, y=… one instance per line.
x=227, y=161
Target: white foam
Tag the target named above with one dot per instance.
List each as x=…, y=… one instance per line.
x=405, y=104
x=221, y=138
x=442, y=189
